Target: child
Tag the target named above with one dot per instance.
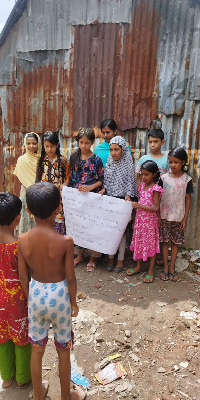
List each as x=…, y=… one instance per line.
x=25, y=171
x=51, y=292
x=155, y=140
x=15, y=351
x=119, y=181
x=53, y=167
x=86, y=175
x=174, y=209
x=145, y=241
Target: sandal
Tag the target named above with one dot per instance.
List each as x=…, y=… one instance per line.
x=172, y=276
x=166, y=276
x=131, y=272
x=18, y=386
x=91, y=267
x=110, y=268
x=148, y=277
x=119, y=269
x=8, y=387
x=80, y=392
x=159, y=262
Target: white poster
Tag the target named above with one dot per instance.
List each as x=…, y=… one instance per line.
x=95, y=222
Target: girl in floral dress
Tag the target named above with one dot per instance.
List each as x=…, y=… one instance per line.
x=86, y=175
x=53, y=167
x=145, y=241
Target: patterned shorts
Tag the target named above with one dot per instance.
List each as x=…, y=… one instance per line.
x=171, y=230
x=49, y=303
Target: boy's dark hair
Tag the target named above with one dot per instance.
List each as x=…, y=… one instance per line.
x=152, y=167
x=10, y=208
x=110, y=123
x=156, y=133
x=75, y=159
x=42, y=199
x=179, y=152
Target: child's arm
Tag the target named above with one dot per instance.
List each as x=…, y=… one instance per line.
x=187, y=209
x=23, y=270
x=70, y=274
x=156, y=200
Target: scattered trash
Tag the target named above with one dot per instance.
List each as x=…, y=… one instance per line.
x=183, y=394
x=110, y=373
x=134, y=357
x=161, y=303
x=121, y=299
x=133, y=284
x=120, y=323
x=184, y=364
x=194, y=253
x=128, y=334
x=176, y=367
x=102, y=364
x=80, y=380
x=188, y=314
x=161, y=370
x=82, y=296
x=115, y=356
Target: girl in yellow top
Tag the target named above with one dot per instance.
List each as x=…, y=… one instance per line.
x=25, y=171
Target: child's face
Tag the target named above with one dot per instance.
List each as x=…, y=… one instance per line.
x=50, y=149
x=147, y=176
x=175, y=164
x=155, y=144
x=84, y=144
x=108, y=134
x=32, y=144
x=115, y=151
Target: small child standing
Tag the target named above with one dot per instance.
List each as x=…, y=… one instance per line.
x=86, y=175
x=53, y=167
x=145, y=241
x=119, y=181
x=15, y=351
x=51, y=292
x=174, y=209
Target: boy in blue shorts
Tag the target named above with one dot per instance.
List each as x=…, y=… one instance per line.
x=51, y=293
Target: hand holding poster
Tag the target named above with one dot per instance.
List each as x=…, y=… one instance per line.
x=93, y=221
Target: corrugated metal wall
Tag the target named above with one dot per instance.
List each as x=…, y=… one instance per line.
x=72, y=63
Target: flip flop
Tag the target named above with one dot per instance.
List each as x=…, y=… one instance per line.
x=8, y=387
x=45, y=384
x=132, y=272
x=148, y=277
x=166, y=278
x=173, y=275
x=91, y=267
x=80, y=392
x=119, y=269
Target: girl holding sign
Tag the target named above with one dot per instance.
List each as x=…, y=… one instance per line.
x=119, y=181
x=86, y=175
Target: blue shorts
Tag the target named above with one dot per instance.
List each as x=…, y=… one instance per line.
x=49, y=303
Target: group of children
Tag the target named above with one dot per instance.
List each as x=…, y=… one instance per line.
x=44, y=263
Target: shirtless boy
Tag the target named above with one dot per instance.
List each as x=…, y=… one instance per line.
x=51, y=292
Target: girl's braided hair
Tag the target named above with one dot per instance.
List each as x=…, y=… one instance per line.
x=75, y=159
x=51, y=137
x=152, y=167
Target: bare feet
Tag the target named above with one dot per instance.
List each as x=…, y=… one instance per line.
x=8, y=384
x=78, y=393
x=78, y=259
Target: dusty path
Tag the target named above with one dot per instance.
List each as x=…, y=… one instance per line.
x=160, y=339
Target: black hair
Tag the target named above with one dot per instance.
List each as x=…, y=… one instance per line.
x=42, y=199
x=10, y=208
x=110, y=123
x=75, y=159
x=152, y=167
x=156, y=133
x=32, y=134
x=180, y=153
x=51, y=137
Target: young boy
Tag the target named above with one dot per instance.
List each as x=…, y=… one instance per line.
x=15, y=351
x=51, y=292
x=155, y=140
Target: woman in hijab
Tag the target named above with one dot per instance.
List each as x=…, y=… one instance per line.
x=25, y=171
x=119, y=181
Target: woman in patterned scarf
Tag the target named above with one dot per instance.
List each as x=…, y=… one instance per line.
x=119, y=181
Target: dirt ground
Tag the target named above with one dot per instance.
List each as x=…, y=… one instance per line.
x=161, y=356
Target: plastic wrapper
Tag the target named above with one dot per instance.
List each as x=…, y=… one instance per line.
x=110, y=373
x=80, y=380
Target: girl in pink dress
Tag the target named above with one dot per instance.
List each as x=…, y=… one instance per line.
x=145, y=241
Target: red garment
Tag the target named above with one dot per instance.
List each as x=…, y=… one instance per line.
x=13, y=303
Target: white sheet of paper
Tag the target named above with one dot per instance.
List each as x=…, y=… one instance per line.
x=95, y=222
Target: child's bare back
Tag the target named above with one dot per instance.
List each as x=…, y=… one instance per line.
x=47, y=253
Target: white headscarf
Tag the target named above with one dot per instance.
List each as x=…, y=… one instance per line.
x=119, y=175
